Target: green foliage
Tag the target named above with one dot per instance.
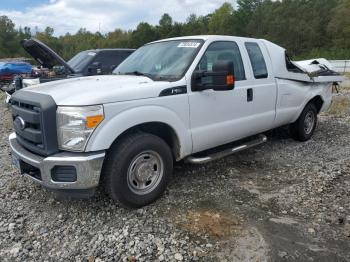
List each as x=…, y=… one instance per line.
x=317, y=28
x=339, y=26
x=221, y=21
x=8, y=37
x=165, y=26
x=144, y=33
x=195, y=25
x=333, y=54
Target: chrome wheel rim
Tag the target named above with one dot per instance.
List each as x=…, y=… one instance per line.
x=309, y=122
x=145, y=172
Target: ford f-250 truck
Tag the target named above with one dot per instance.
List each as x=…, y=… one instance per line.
x=195, y=98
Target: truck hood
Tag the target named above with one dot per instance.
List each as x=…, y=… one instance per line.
x=93, y=90
x=44, y=55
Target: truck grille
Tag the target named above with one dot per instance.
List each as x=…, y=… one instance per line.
x=34, y=121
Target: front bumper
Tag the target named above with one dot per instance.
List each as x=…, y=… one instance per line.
x=87, y=165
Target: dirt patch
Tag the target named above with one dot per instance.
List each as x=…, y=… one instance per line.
x=211, y=223
x=233, y=238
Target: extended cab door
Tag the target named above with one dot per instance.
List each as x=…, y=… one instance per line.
x=262, y=86
x=219, y=117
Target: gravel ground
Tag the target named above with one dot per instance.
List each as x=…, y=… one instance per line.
x=282, y=201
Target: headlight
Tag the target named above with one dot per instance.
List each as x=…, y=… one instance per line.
x=76, y=124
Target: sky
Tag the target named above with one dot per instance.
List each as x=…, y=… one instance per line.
x=100, y=15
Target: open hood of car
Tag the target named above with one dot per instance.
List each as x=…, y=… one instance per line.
x=44, y=55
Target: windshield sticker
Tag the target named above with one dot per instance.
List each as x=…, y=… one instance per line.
x=158, y=67
x=189, y=44
x=91, y=54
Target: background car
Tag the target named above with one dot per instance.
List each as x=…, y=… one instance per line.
x=85, y=63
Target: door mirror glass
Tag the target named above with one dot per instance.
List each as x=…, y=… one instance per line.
x=221, y=78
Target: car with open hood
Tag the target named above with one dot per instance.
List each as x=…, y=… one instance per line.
x=85, y=63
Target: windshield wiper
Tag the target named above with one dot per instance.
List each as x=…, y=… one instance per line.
x=138, y=73
x=151, y=76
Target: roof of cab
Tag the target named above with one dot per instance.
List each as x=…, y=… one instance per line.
x=109, y=49
x=208, y=37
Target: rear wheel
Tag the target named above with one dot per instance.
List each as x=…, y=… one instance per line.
x=304, y=127
x=138, y=169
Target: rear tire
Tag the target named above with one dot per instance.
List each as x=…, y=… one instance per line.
x=138, y=169
x=303, y=129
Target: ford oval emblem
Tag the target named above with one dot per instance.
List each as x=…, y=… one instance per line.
x=21, y=122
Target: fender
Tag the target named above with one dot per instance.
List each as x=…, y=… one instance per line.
x=324, y=90
x=110, y=130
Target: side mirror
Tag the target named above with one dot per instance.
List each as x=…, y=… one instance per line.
x=220, y=79
x=18, y=82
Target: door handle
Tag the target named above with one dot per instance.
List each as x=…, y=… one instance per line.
x=250, y=94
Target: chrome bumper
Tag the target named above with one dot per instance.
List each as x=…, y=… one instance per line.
x=88, y=166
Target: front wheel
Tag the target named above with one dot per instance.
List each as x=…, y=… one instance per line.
x=304, y=127
x=137, y=169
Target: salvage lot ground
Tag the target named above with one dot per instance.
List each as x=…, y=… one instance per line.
x=282, y=201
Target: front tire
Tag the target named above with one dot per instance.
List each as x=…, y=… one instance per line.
x=138, y=169
x=303, y=129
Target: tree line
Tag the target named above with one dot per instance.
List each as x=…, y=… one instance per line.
x=306, y=28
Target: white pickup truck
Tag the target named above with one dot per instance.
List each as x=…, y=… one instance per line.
x=195, y=98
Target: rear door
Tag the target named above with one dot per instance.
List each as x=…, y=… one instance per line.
x=262, y=86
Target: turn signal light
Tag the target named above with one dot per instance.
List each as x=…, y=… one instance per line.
x=93, y=121
x=230, y=80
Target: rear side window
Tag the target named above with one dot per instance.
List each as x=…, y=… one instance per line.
x=291, y=67
x=257, y=60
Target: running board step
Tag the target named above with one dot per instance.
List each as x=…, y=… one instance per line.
x=210, y=157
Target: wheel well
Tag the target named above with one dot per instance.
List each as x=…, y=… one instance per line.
x=161, y=130
x=318, y=102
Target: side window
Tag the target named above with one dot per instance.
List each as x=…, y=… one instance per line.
x=104, y=58
x=223, y=51
x=119, y=57
x=109, y=60
x=257, y=60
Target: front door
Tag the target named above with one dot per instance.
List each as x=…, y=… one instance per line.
x=219, y=117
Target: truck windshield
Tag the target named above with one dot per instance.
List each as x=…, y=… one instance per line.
x=81, y=60
x=167, y=61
